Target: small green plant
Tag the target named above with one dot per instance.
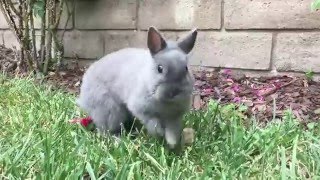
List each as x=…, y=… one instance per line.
x=315, y=5
x=309, y=74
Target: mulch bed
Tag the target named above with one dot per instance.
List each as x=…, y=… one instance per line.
x=260, y=95
x=8, y=62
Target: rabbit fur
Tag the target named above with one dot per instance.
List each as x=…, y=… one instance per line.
x=153, y=85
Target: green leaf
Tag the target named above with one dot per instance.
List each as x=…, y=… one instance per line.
x=311, y=125
x=315, y=5
x=294, y=158
x=90, y=171
x=283, y=164
x=38, y=8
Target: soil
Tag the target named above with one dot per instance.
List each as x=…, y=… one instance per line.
x=261, y=95
x=8, y=62
x=265, y=97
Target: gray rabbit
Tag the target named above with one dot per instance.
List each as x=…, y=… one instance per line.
x=154, y=85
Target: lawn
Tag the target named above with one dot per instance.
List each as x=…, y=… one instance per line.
x=37, y=142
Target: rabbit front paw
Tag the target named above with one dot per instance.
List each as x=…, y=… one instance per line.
x=173, y=136
x=173, y=140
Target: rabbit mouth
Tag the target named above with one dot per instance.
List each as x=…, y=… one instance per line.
x=163, y=92
x=173, y=93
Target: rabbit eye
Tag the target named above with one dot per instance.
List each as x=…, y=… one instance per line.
x=160, y=69
x=187, y=68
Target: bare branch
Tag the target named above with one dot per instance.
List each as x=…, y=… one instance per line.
x=33, y=36
x=70, y=13
x=21, y=19
x=58, y=16
x=9, y=18
x=26, y=11
x=14, y=8
x=43, y=34
x=49, y=36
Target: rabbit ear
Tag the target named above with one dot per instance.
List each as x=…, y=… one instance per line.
x=187, y=43
x=155, y=41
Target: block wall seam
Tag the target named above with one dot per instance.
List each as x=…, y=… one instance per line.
x=222, y=17
x=1, y=38
x=104, y=43
x=137, y=14
x=273, y=46
x=74, y=16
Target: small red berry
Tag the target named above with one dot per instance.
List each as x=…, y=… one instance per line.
x=86, y=121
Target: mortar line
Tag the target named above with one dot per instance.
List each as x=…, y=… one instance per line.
x=74, y=15
x=1, y=37
x=222, y=29
x=212, y=30
x=137, y=15
x=272, y=53
x=291, y=30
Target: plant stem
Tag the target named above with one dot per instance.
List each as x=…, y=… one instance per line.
x=33, y=38
x=43, y=36
x=50, y=16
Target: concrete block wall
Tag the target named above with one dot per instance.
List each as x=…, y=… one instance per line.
x=253, y=35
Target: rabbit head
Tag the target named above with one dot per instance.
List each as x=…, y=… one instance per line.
x=170, y=65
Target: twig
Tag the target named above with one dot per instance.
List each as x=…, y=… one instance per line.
x=14, y=9
x=33, y=39
x=20, y=18
x=58, y=16
x=26, y=37
x=49, y=37
x=256, y=82
x=4, y=7
x=70, y=13
x=55, y=19
x=20, y=35
x=274, y=89
x=8, y=58
x=43, y=35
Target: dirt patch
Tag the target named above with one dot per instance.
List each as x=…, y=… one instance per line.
x=8, y=62
x=69, y=80
x=265, y=96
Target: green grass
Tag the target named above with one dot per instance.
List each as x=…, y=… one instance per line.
x=37, y=142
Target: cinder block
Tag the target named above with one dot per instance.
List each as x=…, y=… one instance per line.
x=10, y=40
x=297, y=52
x=1, y=38
x=187, y=14
x=233, y=50
x=64, y=22
x=115, y=40
x=3, y=22
x=105, y=14
x=270, y=14
x=83, y=44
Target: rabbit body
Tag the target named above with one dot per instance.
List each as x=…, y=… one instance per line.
x=152, y=84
